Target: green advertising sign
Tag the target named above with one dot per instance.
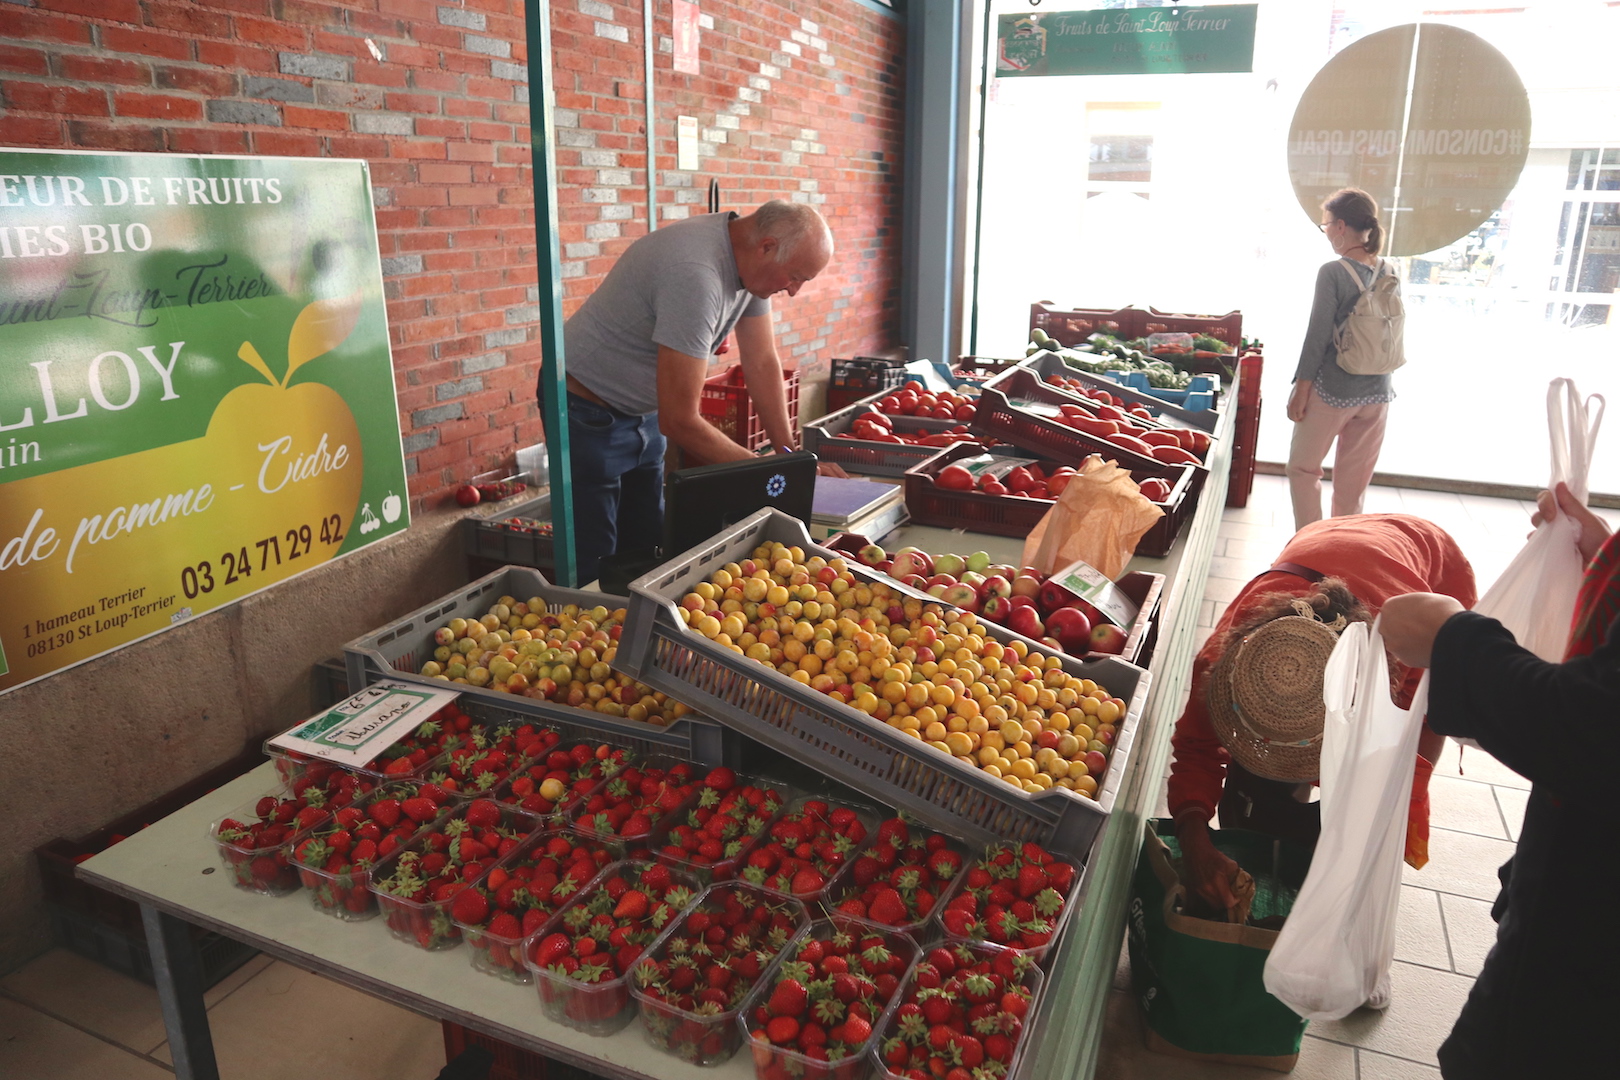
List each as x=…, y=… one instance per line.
x=1134, y=41
x=196, y=392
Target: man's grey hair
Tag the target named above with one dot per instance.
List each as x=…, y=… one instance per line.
x=791, y=225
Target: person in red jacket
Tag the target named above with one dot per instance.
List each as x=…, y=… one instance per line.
x=1333, y=571
x=1543, y=1002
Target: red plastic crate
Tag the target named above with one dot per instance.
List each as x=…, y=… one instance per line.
x=999, y=418
x=980, y=368
x=725, y=403
x=1246, y=430
x=1010, y=515
x=511, y=1062
x=1227, y=328
x=1071, y=326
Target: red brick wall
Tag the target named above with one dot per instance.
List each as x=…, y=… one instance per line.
x=798, y=100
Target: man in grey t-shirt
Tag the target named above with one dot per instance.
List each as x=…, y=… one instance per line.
x=638, y=352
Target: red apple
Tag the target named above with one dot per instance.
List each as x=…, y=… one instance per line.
x=960, y=595
x=942, y=579
x=995, y=585
x=1026, y=585
x=883, y=567
x=1026, y=621
x=916, y=581
x=1023, y=601
x=912, y=560
x=997, y=608
x=1107, y=638
x=1072, y=629
x=871, y=555
x=1096, y=762
x=467, y=495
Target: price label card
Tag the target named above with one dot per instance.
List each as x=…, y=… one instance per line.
x=354, y=731
x=1088, y=583
x=196, y=391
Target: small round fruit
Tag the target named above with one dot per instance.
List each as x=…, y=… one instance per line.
x=467, y=495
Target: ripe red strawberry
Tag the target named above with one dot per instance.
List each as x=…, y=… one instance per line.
x=789, y=998
x=469, y=906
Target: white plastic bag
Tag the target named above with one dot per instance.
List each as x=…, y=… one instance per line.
x=1340, y=936
x=1535, y=596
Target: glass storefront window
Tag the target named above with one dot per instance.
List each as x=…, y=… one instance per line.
x=1173, y=191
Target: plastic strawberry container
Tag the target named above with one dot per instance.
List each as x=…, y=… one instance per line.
x=603, y=1006
x=706, y=1032
x=427, y=922
x=869, y=816
x=521, y=789
x=896, y=1029
x=343, y=890
x=981, y=933
x=492, y=753
x=751, y=830
x=844, y=887
x=774, y=1061
x=587, y=825
x=436, y=737
x=561, y=878
x=256, y=848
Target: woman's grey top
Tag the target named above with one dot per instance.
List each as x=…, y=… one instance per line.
x=1336, y=296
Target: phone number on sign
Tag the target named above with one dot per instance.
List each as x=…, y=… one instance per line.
x=235, y=566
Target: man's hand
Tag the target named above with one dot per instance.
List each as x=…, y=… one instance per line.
x=1410, y=622
x=830, y=468
x=1209, y=872
x=1299, y=400
x=1594, y=530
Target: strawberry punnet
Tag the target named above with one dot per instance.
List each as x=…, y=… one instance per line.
x=489, y=755
x=816, y=1017
x=255, y=839
x=805, y=848
x=419, y=886
x=334, y=862
x=556, y=780
x=405, y=758
x=628, y=806
x=1013, y=896
x=729, y=818
x=516, y=898
x=582, y=954
x=900, y=878
x=692, y=983
x=962, y=1015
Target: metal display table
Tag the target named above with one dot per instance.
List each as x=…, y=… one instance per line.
x=172, y=870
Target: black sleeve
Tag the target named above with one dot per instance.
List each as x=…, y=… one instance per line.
x=1557, y=725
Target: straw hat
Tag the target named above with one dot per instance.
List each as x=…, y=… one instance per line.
x=1265, y=698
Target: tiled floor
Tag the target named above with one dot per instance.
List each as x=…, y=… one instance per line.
x=66, y=1018
x=1445, y=927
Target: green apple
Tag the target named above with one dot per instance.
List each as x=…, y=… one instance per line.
x=978, y=561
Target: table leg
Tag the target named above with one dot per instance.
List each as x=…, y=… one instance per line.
x=178, y=973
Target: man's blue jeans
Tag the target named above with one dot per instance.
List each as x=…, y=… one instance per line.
x=617, y=465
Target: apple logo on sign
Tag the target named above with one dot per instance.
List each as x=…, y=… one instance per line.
x=391, y=507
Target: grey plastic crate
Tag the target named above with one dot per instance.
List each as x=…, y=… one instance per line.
x=864, y=456
x=399, y=649
x=483, y=536
x=842, y=742
x=1050, y=363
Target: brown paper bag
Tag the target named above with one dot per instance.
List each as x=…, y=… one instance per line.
x=1099, y=518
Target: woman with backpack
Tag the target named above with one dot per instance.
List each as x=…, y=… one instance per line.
x=1342, y=385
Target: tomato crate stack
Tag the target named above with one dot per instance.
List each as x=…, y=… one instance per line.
x=848, y=744
x=844, y=437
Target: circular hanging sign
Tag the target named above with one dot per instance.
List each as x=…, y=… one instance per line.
x=1438, y=142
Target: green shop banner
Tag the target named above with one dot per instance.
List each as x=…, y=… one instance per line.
x=1134, y=41
x=196, y=393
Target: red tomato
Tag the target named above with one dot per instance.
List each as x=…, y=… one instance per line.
x=954, y=478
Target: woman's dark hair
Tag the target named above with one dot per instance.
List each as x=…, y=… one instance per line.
x=1357, y=209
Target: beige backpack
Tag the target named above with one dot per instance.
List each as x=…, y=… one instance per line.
x=1370, y=338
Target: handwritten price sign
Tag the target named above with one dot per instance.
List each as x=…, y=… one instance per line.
x=196, y=394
